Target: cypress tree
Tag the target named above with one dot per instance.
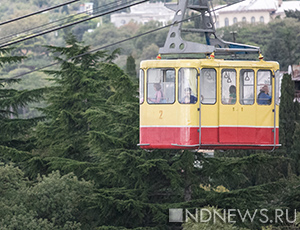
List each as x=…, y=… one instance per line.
x=131, y=67
x=287, y=114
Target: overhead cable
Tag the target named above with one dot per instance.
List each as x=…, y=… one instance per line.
x=71, y=24
x=37, y=12
x=55, y=21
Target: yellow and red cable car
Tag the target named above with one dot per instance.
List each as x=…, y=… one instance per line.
x=198, y=107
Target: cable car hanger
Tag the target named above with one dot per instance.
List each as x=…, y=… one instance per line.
x=175, y=44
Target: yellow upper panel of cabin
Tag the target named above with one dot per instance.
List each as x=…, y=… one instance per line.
x=209, y=63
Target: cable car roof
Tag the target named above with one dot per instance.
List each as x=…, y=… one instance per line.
x=178, y=63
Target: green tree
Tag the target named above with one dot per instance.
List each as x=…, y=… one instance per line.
x=77, y=87
x=287, y=49
x=53, y=202
x=15, y=131
x=293, y=14
x=296, y=137
x=287, y=113
x=131, y=67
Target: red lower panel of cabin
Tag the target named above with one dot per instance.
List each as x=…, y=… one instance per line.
x=211, y=138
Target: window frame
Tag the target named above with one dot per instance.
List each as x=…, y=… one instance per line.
x=234, y=70
x=241, y=84
x=215, y=86
x=226, y=22
x=142, y=86
x=179, y=86
x=270, y=86
x=174, y=90
x=262, y=19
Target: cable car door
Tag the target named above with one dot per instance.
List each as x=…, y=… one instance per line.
x=208, y=108
x=247, y=118
x=228, y=108
x=265, y=106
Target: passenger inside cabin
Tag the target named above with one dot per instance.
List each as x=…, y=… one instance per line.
x=159, y=97
x=263, y=97
x=188, y=98
x=232, y=95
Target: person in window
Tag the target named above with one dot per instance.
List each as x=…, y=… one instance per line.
x=263, y=97
x=232, y=95
x=188, y=98
x=158, y=95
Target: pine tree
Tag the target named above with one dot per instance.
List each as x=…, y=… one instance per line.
x=15, y=132
x=79, y=84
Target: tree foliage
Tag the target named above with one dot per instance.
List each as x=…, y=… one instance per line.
x=131, y=67
x=77, y=87
x=293, y=14
x=14, y=131
x=52, y=202
x=287, y=113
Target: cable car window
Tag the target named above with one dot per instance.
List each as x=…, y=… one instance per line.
x=141, y=86
x=278, y=78
x=247, y=87
x=161, y=85
x=208, y=86
x=264, y=87
x=228, y=86
x=187, y=86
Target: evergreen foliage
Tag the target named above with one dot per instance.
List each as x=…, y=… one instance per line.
x=131, y=67
x=78, y=86
x=15, y=132
x=53, y=202
x=293, y=14
x=287, y=113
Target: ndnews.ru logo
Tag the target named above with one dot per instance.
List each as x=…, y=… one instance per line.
x=231, y=215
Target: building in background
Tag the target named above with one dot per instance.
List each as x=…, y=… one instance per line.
x=144, y=13
x=86, y=8
x=253, y=11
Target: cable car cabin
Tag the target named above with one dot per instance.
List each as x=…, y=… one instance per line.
x=209, y=104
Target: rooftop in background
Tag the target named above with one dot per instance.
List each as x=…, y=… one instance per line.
x=251, y=5
x=253, y=11
x=144, y=13
x=288, y=5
